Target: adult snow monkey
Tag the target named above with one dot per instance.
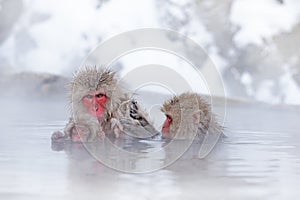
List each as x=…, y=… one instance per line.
x=98, y=106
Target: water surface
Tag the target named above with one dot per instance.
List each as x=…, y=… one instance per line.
x=259, y=159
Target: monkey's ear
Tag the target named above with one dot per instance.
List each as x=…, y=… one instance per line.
x=197, y=116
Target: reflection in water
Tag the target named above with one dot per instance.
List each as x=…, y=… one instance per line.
x=259, y=159
x=90, y=179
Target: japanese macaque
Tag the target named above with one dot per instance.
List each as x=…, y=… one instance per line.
x=188, y=115
x=98, y=105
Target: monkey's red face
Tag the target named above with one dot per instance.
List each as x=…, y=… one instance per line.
x=95, y=103
x=167, y=124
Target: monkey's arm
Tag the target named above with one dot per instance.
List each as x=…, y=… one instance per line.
x=68, y=129
x=138, y=131
x=137, y=124
x=58, y=136
x=83, y=129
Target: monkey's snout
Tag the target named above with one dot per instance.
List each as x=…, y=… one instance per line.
x=95, y=108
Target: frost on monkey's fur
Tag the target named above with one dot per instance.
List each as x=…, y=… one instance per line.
x=191, y=116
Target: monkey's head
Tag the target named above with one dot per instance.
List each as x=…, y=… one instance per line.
x=91, y=91
x=183, y=114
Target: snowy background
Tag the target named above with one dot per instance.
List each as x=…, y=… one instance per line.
x=254, y=44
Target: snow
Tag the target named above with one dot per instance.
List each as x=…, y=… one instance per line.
x=55, y=36
x=246, y=79
x=259, y=21
x=73, y=27
x=220, y=63
x=291, y=90
x=264, y=92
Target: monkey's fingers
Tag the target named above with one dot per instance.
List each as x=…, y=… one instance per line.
x=58, y=141
x=134, y=110
x=58, y=137
x=136, y=113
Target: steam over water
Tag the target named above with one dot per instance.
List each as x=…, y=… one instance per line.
x=259, y=159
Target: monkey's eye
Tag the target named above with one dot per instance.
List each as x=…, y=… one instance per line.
x=169, y=118
x=89, y=96
x=100, y=95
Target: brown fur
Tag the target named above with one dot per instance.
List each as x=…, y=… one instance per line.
x=191, y=116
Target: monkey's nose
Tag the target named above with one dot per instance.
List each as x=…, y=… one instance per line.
x=95, y=108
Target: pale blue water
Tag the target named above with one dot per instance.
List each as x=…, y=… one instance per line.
x=259, y=159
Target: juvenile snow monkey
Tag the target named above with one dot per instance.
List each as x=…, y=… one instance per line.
x=188, y=115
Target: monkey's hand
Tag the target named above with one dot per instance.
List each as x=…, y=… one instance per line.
x=116, y=126
x=137, y=115
x=58, y=140
x=85, y=131
x=137, y=123
x=58, y=136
